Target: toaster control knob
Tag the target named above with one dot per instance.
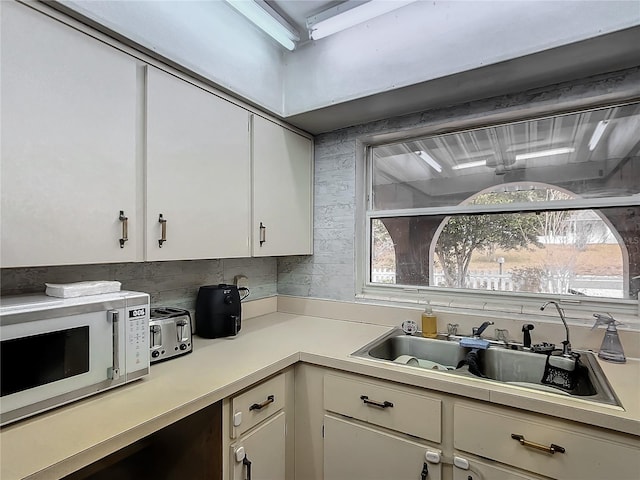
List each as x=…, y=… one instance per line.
x=183, y=346
x=155, y=354
x=228, y=299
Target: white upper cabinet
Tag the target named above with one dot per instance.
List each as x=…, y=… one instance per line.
x=282, y=191
x=198, y=173
x=68, y=145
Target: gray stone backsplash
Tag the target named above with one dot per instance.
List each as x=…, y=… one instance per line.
x=168, y=283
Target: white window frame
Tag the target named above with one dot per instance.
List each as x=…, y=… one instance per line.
x=467, y=300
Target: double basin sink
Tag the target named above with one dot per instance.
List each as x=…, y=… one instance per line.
x=517, y=366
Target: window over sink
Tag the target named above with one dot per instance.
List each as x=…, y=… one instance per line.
x=534, y=209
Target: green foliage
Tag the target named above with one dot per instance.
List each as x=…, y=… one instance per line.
x=464, y=234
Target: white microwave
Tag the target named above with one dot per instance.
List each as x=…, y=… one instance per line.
x=54, y=351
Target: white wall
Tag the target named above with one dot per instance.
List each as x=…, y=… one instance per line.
x=207, y=37
x=417, y=43
x=433, y=39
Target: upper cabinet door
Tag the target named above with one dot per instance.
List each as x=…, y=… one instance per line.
x=68, y=144
x=198, y=173
x=282, y=191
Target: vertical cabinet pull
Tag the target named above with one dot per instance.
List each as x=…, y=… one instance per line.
x=425, y=471
x=263, y=233
x=163, y=237
x=125, y=228
x=247, y=463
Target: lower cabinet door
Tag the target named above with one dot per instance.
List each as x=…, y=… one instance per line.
x=472, y=469
x=260, y=454
x=357, y=452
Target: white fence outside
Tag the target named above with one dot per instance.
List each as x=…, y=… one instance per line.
x=478, y=280
x=587, y=284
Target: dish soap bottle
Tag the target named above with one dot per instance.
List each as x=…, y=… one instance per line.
x=429, y=323
x=611, y=348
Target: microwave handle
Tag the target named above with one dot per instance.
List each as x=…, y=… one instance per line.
x=113, y=372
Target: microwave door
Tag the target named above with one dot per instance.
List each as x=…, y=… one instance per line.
x=52, y=358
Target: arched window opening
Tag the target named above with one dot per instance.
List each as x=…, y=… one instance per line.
x=575, y=252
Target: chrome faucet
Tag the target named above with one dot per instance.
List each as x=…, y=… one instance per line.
x=566, y=345
x=477, y=331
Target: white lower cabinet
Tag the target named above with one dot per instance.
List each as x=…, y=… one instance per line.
x=258, y=425
x=544, y=445
x=382, y=431
x=350, y=426
x=354, y=451
x=261, y=453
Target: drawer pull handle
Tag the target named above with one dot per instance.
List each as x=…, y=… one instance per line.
x=373, y=403
x=553, y=448
x=260, y=406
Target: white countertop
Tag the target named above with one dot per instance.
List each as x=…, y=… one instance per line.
x=59, y=442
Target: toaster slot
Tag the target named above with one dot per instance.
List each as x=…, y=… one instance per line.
x=156, y=336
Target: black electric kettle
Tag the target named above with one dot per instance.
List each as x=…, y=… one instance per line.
x=219, y=311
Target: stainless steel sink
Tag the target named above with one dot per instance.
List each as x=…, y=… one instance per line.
x=498, y=363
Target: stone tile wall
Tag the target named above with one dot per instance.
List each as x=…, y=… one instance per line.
x=168, y=283
x=330, y=272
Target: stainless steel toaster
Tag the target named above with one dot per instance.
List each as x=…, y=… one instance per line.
x=169, y=333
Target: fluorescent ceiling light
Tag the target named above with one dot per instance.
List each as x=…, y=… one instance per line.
x=430, y=161
x=545, y=153
x=348, y=14
x=597, y=134
x=267, y=19
x=462, y=166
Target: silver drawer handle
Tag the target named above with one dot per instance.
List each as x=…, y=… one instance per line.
x=373, y=403
x=553, y=448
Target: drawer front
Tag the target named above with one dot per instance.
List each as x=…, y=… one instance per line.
x=588, y=453
x=255, y=405
x=391, y=407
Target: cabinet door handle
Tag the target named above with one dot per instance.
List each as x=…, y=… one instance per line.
x=247, y=463
x=125, y=228
x=373, y=403
x=163, y=237
x=260, y=406
x=553, y=448
x=263, y=233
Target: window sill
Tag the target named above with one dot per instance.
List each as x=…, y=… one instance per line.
x=525, y=308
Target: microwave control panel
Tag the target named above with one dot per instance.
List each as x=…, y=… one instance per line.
x=137, y=335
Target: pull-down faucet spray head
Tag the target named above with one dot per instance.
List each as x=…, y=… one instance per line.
x=566, y=345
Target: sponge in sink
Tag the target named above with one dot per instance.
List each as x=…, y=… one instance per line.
x=470, y=342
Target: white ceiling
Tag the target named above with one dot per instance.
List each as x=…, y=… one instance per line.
x=296, y=12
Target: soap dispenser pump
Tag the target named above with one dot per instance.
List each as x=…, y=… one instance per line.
x=611, y=348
